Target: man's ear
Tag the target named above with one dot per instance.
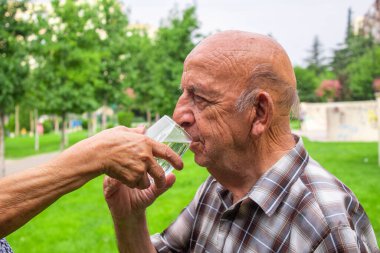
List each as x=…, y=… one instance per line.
x=264, y=113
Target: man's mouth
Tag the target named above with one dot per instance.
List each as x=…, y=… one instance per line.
x=195, y=139
x=195, y=142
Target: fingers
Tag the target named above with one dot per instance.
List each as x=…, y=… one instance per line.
x=143, y=183
x=110, y=186
x=133, y=167
x=170, y=179
x=157, y=173
x=163, y=151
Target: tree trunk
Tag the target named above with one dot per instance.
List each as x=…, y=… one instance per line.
x=36, y=134
x=2, y=145
x=17, y=120
x=67, y=131
x=104, y=116
x=31, y=121
x=149, y=117
x=157, y=117
x=63, y=136
x=89, y=125
x=94, y=123
x=56, y=124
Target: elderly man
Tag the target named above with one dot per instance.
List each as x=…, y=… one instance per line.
x=265, y=193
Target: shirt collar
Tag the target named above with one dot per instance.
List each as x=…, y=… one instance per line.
x=273, y=186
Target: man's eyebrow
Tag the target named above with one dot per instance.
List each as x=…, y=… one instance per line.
x=191, y=88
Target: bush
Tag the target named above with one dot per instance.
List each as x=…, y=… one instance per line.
x=110, y=125
x=125, y=118
x=48, y=126
x=84, y=123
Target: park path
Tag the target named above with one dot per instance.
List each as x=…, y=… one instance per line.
x=16, y=165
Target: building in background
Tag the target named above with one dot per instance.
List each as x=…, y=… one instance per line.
x=340, y=121
x=369, y=24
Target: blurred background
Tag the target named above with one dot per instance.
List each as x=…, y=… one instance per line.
x=69, y=69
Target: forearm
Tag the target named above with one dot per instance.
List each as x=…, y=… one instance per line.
x=133, y=235
x=26, y=194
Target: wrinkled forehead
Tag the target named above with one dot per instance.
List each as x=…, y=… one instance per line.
x=237, y=54
x=240, y=45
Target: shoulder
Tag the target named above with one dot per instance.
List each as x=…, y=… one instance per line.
x=327, y=209
x=333, y=199
x=344, y=239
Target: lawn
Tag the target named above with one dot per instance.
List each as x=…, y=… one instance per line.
x=80, y=222
x=295, y=124
x=24, y=145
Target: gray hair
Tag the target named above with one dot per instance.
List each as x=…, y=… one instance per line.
x=263, y=78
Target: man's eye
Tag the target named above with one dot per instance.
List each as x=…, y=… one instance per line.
x=199, y=99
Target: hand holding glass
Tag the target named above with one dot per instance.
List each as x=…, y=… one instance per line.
x=169, y=133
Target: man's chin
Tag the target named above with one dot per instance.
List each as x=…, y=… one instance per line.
x=200, y=160
x=199, y=156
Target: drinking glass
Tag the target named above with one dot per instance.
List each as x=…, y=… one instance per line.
x=166, y=131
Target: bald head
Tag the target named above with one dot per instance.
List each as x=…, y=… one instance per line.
x=258, y=59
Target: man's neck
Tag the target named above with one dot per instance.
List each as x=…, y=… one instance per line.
x=243, y=173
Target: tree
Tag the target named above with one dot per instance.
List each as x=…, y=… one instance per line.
x=315, y=61
x=14, y=28
x=175, y=39
x=307, y=83
x=345, y=60
x=112, y=22
x=349, y=28
x=155, y=64
x=139, y=72
x=362, y=73
x=68, y=60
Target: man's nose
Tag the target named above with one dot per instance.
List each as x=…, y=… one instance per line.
x=183, y=114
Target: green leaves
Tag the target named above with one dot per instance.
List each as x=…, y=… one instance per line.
x=160, y=81
x=363, y=71
x=69, y=61
x=355, y=66
x=74, y=56
x=13, y=55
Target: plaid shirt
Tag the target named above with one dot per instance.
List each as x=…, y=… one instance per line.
x=296, y=206
x=4, y=246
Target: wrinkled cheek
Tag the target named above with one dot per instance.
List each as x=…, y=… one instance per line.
x=212, y=129
x=218, y=130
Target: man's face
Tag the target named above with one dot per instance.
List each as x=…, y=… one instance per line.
x=207, y=111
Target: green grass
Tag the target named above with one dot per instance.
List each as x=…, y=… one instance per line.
x=80, y=222
x=24, y=145
x=295, y=124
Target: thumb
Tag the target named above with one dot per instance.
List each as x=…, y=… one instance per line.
x=110, y=186
x=170, y=179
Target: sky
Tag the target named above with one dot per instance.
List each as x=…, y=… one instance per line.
x=293, y=23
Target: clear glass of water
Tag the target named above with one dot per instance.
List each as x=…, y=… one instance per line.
x=166, y=131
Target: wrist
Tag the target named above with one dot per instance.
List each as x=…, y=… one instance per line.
x=78, y=161
x=132, y=220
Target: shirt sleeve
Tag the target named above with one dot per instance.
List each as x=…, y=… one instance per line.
x=176, y=237
x=345, y=240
